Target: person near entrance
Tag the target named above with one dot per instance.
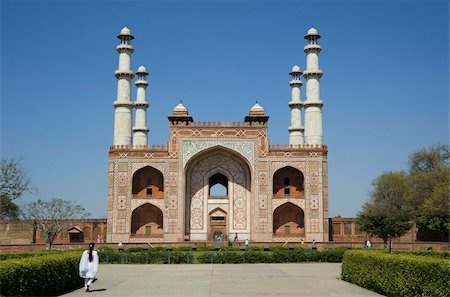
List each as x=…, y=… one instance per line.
x=247, y=243
x=235, y=238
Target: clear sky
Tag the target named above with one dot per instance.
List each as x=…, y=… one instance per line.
x=385, y=85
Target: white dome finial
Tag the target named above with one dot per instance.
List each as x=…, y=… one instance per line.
x=313, y=31
x=125, y=31
x=257, y=108
x=142, y=69
x=180, y=108
x=296, y=68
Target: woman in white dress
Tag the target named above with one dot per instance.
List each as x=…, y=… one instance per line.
x=89, y=266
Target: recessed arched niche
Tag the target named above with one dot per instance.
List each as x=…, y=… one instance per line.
x=148, y=182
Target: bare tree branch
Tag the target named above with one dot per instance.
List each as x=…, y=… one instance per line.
x=52, y=217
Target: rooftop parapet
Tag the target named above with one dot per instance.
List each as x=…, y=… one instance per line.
x=220, y=124
x=140, y=147
x=274, y=147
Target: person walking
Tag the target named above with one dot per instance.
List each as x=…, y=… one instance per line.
x=89, y=266
x=120, y=246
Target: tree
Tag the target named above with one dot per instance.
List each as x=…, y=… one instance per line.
x=52, y=217
x=386, y=214
x=422, y=196
x=14, y=182
x=429, y=182
x=426, y=160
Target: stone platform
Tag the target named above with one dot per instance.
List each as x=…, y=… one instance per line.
x=306, y=279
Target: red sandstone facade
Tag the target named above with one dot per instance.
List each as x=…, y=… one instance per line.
x=273, y=193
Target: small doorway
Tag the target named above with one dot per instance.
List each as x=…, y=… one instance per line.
x=75, y=235
x=218, y=226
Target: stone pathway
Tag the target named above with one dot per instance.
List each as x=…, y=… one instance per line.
x=304, y=279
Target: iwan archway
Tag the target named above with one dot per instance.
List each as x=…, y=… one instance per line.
x=206, y=170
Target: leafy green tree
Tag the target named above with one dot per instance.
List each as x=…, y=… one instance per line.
x=386, y=214
x=52, y=217
x=426, y=160
x=430, y=187
x=14, y=182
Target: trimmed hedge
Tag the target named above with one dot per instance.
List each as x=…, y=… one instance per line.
x=398, y=274
x=43, y=275
x=25, y=255
x=228, y=255
x=434, y=254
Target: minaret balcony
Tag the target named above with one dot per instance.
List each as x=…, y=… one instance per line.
x=121, y=48
x=141, y=83
x=128, y=104
x=312, y=74
x=141, y=104
x=312, y=48
x=141, y=129
x=310, y=103
x=296, y=82
x=295, y=104
x=296, y=129
x=119, y=73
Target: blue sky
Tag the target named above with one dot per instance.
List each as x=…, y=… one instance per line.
x=385, y=84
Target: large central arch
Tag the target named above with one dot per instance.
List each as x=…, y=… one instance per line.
x=199, y=170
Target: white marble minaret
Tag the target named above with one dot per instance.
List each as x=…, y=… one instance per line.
x=296, y=129
x=140, y=128
x=313, y=104
x=123, y=105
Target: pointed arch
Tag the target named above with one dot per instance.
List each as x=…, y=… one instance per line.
x=288, y=182
x=288, y=220
x=199, y=169
x=218, y=185
x=148, y=182
x=147, y=221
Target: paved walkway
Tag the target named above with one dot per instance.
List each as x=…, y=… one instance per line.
x=305, y=279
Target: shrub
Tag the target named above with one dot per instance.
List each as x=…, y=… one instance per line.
x=435, y=254
x=333, y=255
x=136, y=249
x=225, y=255
x=398, y=274
x=26, y=255
x=206, y=248
x=178, y=257
x=45, y=275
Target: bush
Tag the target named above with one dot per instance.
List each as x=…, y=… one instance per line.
x=26, y=255
x=225, y=255
x=136, y=249
x=398, y=274
x=435, y=254
x=44, y=275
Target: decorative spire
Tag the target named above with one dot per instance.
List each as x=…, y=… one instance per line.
x=180, y=114
x=123, y=104
x=257, y=115
x=296, y=129
x=313, y=104
x=140, y=129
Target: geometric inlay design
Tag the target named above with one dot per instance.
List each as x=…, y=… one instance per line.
x=243, y=147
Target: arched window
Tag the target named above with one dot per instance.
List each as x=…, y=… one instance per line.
x=147, y=221
x=148, y=182
x=288, y=182
x=218, y=185
x=288, y=220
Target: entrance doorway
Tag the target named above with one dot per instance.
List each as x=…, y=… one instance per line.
x=218, y=225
